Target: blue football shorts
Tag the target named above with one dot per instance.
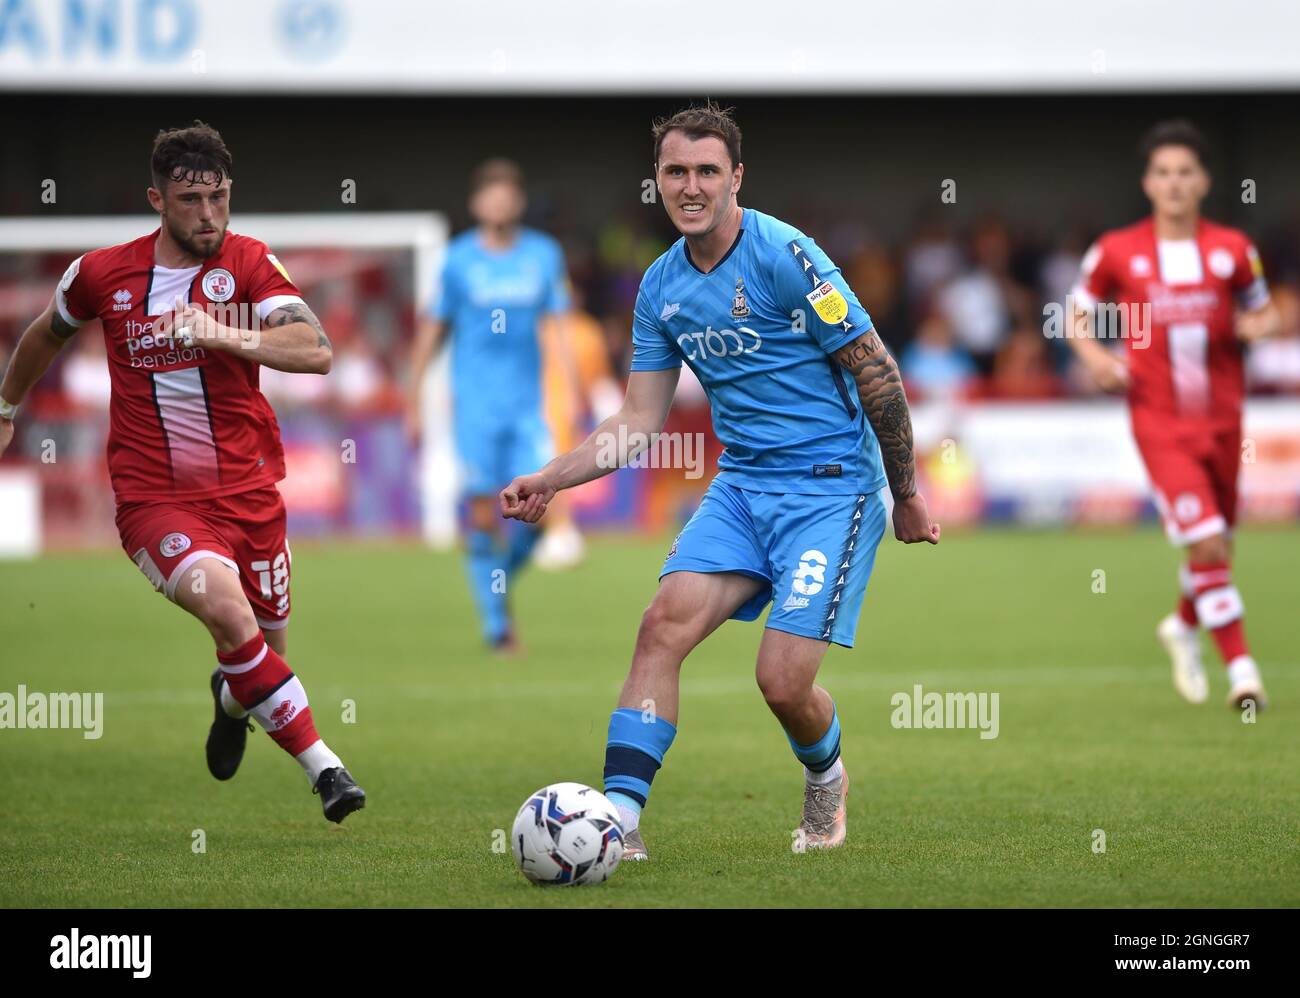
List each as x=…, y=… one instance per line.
x=814, y=552
x=490, y=455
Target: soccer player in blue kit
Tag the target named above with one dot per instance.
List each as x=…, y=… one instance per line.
x=499, y=280
x=802, y=390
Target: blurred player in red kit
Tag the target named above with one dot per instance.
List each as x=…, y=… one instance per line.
x=1187, y=295
x=189, y=312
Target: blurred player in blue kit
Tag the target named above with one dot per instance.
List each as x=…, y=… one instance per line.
x=500, y=279
x=812, y=412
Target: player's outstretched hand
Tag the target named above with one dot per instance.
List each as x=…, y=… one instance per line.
x=526, y=497
x=912, y=522
x=6, y=434
x=1252, y=326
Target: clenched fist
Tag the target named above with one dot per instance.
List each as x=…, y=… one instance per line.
x=526, y=497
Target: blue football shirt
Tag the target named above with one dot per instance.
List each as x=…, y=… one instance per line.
x=758, y=330
x=493, y=302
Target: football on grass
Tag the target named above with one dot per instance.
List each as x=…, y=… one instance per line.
x=567, y=833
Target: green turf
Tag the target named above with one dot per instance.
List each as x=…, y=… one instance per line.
x=1197, y=807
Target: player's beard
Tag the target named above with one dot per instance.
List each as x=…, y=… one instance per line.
x=210, y=247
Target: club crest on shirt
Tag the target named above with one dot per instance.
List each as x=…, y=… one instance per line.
x=1187, y=507
x=828, y=303
x=1140, y=266
x=739, y=307
x=173, y=544
x=219, y=284
x=1222, y=264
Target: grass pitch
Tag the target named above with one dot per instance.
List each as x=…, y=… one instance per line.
x=1198, y=808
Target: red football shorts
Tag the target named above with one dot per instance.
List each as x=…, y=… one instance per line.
x=1195, y=484
x=245, y=532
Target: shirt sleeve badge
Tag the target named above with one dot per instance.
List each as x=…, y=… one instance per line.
x=828, y=303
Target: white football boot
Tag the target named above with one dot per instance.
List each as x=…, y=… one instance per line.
x=1183, y=644
x=560, y=548
x=1245, y=683
x=634, y=848
x=825, y=817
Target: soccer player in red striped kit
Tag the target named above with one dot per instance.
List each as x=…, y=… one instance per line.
x=189, y=312
x=1204, y=287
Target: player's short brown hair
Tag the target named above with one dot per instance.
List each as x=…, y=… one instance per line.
x=190, y=154
x=1176, y=132
x=699, y=121
x=497, y=170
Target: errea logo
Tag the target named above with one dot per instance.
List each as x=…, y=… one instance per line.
x=283, y=714
x=121, y=300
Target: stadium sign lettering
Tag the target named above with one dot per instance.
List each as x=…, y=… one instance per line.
x=165, y=30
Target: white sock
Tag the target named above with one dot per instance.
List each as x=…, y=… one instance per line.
x=1242, y=669
x=829, y=776
x=316, y=758
x=229, y=704
x=628, y=817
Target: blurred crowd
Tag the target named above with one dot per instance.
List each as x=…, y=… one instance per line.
x=961, y=307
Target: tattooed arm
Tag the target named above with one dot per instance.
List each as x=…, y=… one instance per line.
x=289, y=339
x=880, y=390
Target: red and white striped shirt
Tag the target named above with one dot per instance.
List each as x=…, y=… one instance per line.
x=1185, y=361
x=185, y=422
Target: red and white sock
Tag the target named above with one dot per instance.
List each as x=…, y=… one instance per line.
x=1187, y=599
x=1219, y=609
x=262, y=683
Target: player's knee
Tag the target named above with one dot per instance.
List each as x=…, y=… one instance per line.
x=482, y=514
x=782, y=691
x=277, y=638
x=228, y=618
x=1208, y=550
x=663, y=631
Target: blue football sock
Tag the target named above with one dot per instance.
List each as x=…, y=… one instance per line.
x=487, y=582
x=633, y=753
x=821, y=754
